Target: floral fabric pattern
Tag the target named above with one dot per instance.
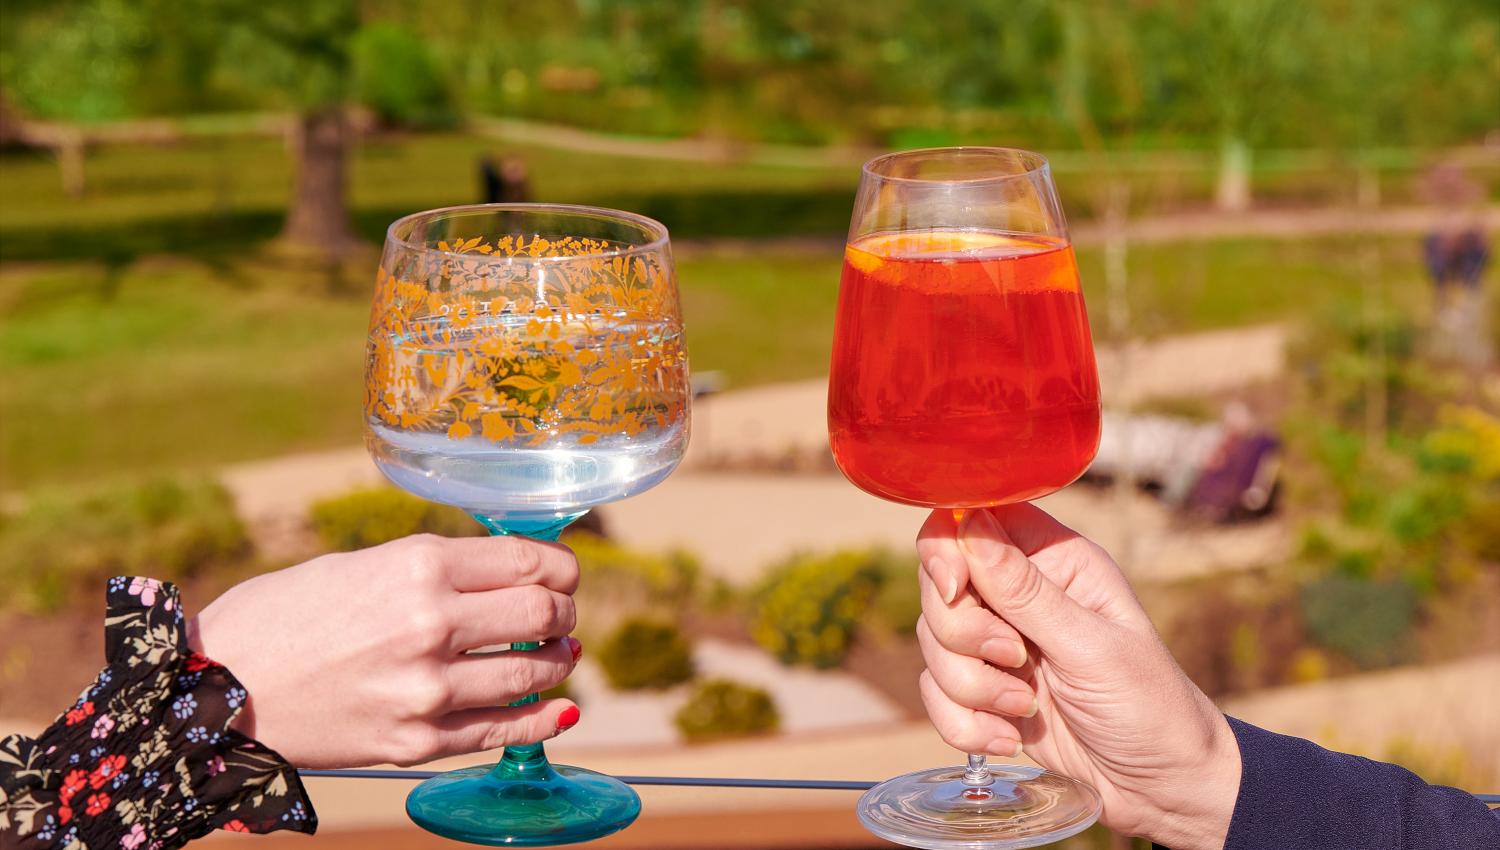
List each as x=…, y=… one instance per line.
x=145, y=758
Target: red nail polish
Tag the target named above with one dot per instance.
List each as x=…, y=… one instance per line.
x=568, y=718
x=574, y=646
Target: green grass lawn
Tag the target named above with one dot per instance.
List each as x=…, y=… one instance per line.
x=171, y=363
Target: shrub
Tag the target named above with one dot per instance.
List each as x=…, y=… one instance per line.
x=370, y=517
x=399, y=79
x=1308, y=665
x=644, y=654
x=1436, y=764
x=64, y=545
x=1368, y=621
x=806, y=611
x=634, y=577
x=720, y=708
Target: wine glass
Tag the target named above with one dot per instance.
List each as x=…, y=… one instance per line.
x=963, y=377
x=525, y=363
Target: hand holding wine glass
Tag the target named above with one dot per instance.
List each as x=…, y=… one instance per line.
x=963, y=378
x=1163, y=758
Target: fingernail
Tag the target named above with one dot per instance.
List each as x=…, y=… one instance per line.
x=1003, y=651
x=979, y=536
x=1017, y=704
x=1005, y=747
x=568, y=718
x=574, y=646
x=950, y=588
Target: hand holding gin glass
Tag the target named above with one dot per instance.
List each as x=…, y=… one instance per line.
x=525, y=363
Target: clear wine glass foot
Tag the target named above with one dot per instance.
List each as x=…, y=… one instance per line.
x=1019, y=807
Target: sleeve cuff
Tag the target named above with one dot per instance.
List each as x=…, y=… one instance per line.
x=146, y=757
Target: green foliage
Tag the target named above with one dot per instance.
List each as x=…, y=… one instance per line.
x=370, y=517
x=1394, y=496
x=720, y=708
x=631, y=576
x=397, y=76
x=62, y=546
x=289, y=52
x=807, y=610
x=1368, y=621
x=77, y=64
x=1039, y=73
x=646, y=654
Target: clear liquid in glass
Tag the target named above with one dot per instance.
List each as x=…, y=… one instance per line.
x=554, y=462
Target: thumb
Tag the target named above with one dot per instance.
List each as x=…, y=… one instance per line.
x=1014, y=588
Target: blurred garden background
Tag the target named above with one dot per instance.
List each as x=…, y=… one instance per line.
x=1283, y=209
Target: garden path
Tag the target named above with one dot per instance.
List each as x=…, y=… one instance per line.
x=740, y=521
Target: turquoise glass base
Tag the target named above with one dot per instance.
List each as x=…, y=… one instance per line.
x=553, y=805
x=524, y=800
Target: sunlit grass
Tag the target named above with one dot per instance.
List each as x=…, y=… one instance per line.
x=171, y=363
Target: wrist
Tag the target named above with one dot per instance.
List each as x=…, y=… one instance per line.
x=244, y=721
x=1196, y=811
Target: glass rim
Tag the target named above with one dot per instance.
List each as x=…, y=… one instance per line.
x=1035, y=163
x=659, y=237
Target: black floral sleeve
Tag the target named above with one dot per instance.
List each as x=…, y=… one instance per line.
x=145, y=759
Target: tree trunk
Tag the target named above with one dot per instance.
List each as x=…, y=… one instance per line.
x=1233, y=191
x=319, y=216
x=70, y=155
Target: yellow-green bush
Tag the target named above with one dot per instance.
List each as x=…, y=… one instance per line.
x=720, y=708
x=62, y=546
x=1308, y=665
x=898, y=602
x=646, y=654
x=370, y=517
x=608, y=567
x=807, y=610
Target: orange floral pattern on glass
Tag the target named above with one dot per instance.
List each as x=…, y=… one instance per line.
x=468, y=344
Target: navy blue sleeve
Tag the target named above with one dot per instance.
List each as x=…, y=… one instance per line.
x=1295, y=794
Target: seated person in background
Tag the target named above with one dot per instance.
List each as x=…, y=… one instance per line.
x=1239, y=477
x=1034, y=639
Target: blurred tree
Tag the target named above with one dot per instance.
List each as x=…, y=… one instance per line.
x=74, y=61
x=399, y=78
x=1247, y=56
x=1232, y=74
x=93, y=60
x=298, y=55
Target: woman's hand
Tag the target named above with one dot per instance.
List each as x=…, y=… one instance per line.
x=365, y=657
x=1033, y=638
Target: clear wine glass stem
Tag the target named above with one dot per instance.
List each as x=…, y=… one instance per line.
x=526, y=761
x=978, y=772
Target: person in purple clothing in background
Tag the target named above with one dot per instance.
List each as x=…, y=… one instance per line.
x=1034, y=639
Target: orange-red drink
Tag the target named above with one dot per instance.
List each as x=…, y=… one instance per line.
x=963, y=369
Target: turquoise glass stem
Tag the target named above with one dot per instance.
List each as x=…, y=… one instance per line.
x=524, y=800
x=526, y=761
